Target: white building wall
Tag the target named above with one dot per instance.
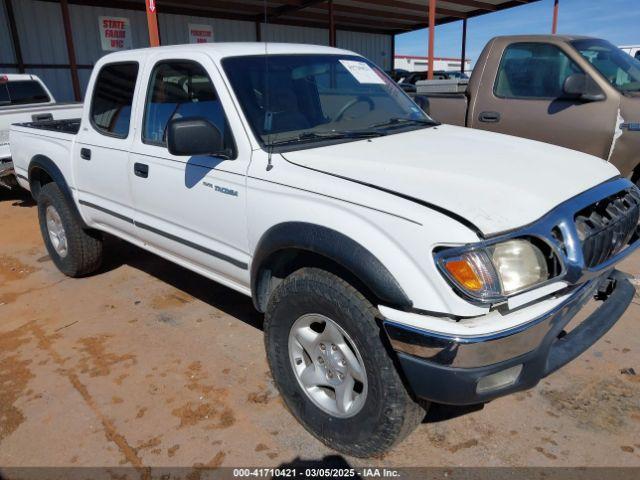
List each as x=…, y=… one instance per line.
x=421, y=64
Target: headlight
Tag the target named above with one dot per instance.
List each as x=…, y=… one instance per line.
x=497, y=271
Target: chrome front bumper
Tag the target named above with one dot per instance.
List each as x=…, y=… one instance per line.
x=448, y=369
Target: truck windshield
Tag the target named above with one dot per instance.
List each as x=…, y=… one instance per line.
x=619, y=68
x=302, y=99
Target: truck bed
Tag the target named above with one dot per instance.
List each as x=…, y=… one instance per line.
x=448, y=108
x=70, y=126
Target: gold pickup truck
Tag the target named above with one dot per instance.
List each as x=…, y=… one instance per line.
x=577, y=92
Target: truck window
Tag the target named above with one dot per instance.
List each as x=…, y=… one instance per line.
x=181, y=89
x=533, y=71
x=113, y=97
x=620, y=69
x=22, y=92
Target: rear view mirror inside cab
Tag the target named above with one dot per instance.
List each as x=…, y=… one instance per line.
x=309, y=71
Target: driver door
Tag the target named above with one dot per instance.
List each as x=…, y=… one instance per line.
x=527, y=100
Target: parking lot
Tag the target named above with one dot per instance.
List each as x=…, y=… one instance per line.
x=148, y=364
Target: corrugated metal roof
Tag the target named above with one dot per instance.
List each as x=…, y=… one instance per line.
x=383, y=16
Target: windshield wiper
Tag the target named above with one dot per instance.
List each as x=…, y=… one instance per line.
x=400, y=121
x=334, y=135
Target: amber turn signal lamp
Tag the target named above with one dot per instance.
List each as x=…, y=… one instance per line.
x=464, y=274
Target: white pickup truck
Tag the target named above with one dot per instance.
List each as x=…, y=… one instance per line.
x=24, y=97
x=397, y=261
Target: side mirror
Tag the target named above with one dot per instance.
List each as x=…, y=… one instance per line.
x=194, y=136
x=580, y=86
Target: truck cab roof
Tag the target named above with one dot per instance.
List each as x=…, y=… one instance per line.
x=233, y=49
x=16, y=77
x=540, y=37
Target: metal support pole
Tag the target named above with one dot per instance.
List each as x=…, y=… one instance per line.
x=556, y=7
x=463, y=56
x=432, y=28
x=393, y=52
x=258, y=32
x=152, y=22
x=71, y=51
x=332, y=26
x=15, y=38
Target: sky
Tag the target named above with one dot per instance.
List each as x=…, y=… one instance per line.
x=615, y=20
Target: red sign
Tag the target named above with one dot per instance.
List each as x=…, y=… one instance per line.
x=152, y=5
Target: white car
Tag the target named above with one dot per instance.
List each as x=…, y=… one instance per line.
x=397, y=261
x=633, y=50
x=25, y=98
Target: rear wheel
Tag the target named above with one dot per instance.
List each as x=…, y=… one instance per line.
x=75, y=251
x=332, y=368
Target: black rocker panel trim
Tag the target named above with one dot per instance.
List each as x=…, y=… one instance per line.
x=195, y=246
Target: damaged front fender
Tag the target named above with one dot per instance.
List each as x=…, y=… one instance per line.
x=625, y=147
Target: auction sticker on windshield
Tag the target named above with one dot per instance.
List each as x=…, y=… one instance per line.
x=362, y=72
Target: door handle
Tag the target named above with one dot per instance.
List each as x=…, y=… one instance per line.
x=39, y=117
x=489, y=117
x=141, y=170
x=85, y=154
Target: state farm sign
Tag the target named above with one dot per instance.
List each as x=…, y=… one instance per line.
x=200, y=33
x=115, y=33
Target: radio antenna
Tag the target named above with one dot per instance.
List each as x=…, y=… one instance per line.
x=268, y=116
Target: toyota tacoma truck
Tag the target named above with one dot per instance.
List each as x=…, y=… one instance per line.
x=24, y=97
x=578, y=92
x=397, y=261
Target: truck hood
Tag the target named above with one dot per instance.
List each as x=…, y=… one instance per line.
x=497, y=182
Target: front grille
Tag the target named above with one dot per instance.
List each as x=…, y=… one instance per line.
x=607, y=226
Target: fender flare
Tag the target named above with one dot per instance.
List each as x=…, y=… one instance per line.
x=50, y=168
x=333, y=245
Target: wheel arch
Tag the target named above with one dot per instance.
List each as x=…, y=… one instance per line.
x=42, y=170
x=286, y=247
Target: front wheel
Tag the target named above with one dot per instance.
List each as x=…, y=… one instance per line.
x=331, y=366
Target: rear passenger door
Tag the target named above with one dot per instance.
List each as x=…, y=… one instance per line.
x=101, y=152
x=191, y=207
x=526, y=99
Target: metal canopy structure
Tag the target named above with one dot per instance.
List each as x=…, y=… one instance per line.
x=387, y=17
x=382, y=16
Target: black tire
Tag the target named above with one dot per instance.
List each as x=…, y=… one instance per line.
x=389, y=413
x=84, y=255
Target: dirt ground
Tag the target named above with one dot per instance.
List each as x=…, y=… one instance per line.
x=146, y=363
